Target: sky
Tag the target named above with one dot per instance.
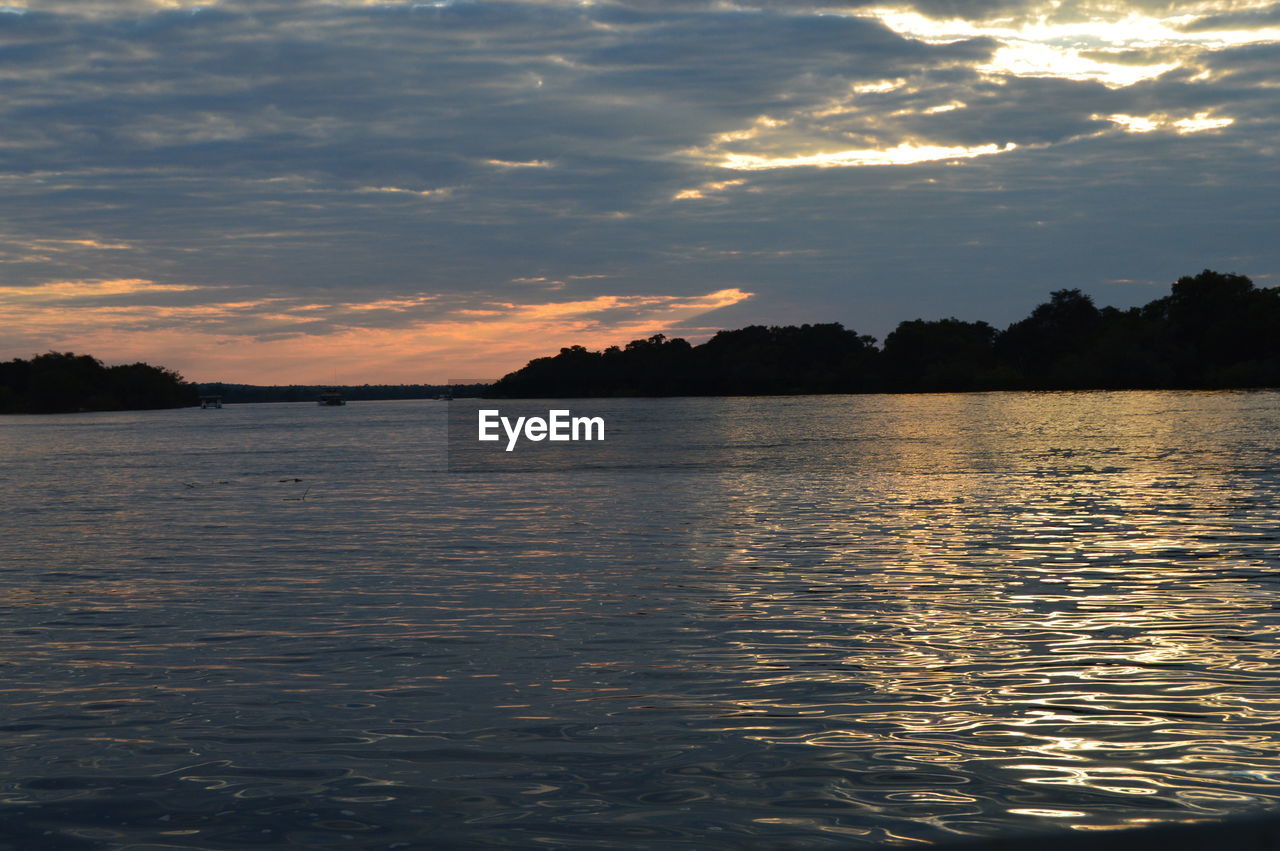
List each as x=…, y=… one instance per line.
x=293, y=191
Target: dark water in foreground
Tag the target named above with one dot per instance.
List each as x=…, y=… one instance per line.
x=957, y=616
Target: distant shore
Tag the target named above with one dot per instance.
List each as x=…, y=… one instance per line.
x=234, y=393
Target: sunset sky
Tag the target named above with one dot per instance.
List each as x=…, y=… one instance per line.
x=275, y=191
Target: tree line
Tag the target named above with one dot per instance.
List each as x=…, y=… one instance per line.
x=1212, y=330
x=63, y=382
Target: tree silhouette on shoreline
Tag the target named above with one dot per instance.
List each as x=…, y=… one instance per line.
x=64, y=382
x=1213, y=330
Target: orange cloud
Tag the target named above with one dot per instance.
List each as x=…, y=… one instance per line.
x=54, y=291
x=489, y=339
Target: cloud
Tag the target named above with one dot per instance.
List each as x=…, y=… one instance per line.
x=296, y=172
x=1197, y=123
x=1246, y=20
x=904, y=154
x=63, y=293
x=706, y=190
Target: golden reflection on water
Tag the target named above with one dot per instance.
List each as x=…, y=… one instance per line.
x=854, y=620
x=1092, y=609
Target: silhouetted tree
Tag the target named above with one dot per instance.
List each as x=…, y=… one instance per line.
x=648, y=367
x=1051, y=347
x=1130, y=351
x=1220, y=330
x=61, y=382
x=942, y=355
x=755, y=360
x=823, y=358
x=1212, y=330
x=140, y=386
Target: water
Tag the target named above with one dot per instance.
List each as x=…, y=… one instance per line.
x=822, y=622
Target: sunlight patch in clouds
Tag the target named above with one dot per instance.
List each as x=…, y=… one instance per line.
x=1076, y=49
x=442, y=192
x=710, y=188
x=879, y=86
x=904, y=154
x=1197, y=123
x=71, y=244
x=1030, y=59
x=519, y=164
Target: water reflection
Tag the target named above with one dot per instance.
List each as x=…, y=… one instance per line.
x=1078, y=642
x=935, y=616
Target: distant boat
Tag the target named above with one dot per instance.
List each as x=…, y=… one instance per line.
x=210, y=401
x=331, y=397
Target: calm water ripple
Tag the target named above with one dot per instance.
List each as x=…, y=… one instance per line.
x=809, y=623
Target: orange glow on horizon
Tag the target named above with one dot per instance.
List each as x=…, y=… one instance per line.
x=277, y=341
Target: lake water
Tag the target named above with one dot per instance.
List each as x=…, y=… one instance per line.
x=822, y=622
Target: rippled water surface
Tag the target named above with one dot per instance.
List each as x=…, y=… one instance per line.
x=805, y=622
